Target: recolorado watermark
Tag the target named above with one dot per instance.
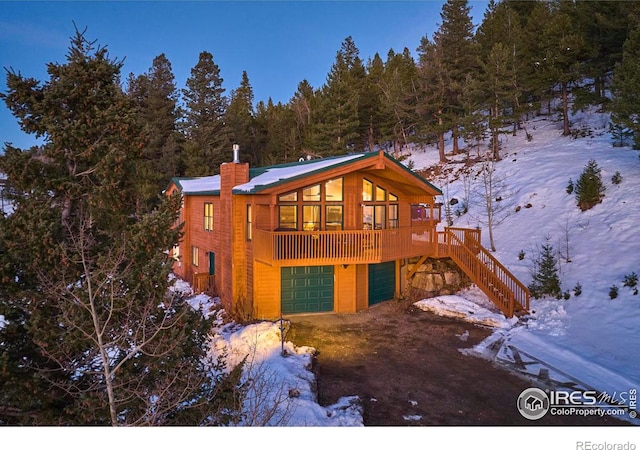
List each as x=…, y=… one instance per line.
x=534, y=403
x=589, y=445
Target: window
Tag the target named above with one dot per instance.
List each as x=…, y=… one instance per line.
x=333, y=190
x=311, y=217
x=208, y=217
x=393, y=216
x=377, y=212
x=249, y=223
x=334, y=217
x=367, y=217
x=311, y=194
x=289, y=197
x=288, y=217
x=310, y=202
x=379, y=217
x=367, y=190
x=194, y=256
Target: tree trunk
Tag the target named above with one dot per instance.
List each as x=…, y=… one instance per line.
x=565, y=110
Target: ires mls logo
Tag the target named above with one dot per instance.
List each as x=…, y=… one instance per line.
x=534, y=403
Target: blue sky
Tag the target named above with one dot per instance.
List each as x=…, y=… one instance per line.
x=278, y=43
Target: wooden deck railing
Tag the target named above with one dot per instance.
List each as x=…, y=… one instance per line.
x=301, y=248
x=203, y=282
x=342, y=247
x=502, y=287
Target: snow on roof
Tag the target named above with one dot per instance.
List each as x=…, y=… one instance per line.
x=276, y=174
x=200, y=184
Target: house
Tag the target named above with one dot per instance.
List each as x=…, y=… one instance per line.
x=321, y=235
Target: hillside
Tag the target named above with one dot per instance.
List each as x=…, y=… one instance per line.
x=589, y=336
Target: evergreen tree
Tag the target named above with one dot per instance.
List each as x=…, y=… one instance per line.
x=208, y=140
x=545, y=280
x=498, y=83
x=377, y=117
x=460, y=57
x=338, y=120
x=276, y=126
x=85, y=274
x=304, y=105
x=605, y=27
x=502, y=26
x=431, y=96
x=537, y=77
x=589, y=189
x=240, y=119
x=398, y=87
x=156, y=98
x=625, y=103
x=564, y=54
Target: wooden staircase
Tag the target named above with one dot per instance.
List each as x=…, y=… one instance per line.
x=501, y=286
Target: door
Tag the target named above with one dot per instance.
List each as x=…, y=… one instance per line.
x=382, y=282
x=212, y=263
x=306, y=289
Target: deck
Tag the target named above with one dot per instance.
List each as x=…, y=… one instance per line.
x=304, y=248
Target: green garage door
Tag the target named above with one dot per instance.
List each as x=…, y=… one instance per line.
x=382, y=282
x=306, y=289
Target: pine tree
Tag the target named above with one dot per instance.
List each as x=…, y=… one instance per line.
x=208, y=141
x=240, y=119
x=431, y=94
x=85, y=273
x=338, y=119
x=589, y=189
x=545, y=279
x=398, y=99
x=460, y=56
x=565, y=53
x=625, y=103
x=156, y=98
x=304, y=105
x=605, y=27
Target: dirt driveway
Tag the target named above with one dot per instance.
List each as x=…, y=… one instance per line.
x=406, y=367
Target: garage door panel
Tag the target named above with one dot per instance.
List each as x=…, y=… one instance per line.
x=382, y=282
x=307, y=289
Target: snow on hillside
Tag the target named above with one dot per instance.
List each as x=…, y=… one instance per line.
x=590, y=338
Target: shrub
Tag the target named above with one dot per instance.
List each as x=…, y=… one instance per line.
x=616, y=178
x=521, y=255
x=613, y=292
x=631, y=280
x=570, y=187
x=589, y=189
x=577, y=290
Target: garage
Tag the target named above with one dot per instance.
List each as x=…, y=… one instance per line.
x=306, y=289
x=382, y=282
